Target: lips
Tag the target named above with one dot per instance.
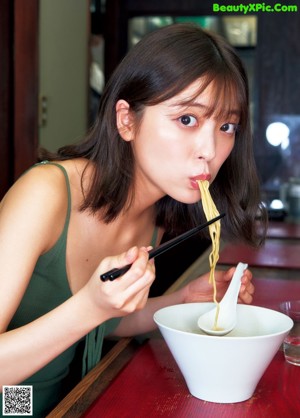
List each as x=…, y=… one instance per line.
x=199, y=177
x=202, y=177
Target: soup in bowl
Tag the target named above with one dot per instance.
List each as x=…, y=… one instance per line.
x=222, y=369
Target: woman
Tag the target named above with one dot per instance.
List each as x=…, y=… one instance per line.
x=175, y=111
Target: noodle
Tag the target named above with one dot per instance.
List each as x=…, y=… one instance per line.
x=211, y=212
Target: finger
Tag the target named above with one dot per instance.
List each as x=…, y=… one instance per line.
x=135, y=286
x=224, y=276
x=137, y=301
x=245, y=297
x=120, y=260
x=246, y=278
x=246, y=293
x=129, y=292
x=247, y=274
x=143, y=297
x=138, y=269
x=140, y=263
x=249, y=288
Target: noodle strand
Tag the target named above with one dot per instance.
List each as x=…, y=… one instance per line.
x=211, y=212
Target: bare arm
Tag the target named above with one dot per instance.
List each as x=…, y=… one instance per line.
x=27, y=229
x=198, y=290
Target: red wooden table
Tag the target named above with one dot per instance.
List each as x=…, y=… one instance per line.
x=270, y=292
x=151, y=385
x=281, y=249
x=278, y=254
x=283, y=230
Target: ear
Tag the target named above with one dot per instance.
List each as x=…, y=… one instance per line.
x=125, y=123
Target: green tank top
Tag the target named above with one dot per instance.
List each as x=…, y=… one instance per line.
x=47, y=289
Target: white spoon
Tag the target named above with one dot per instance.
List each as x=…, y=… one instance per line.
x=227, y=313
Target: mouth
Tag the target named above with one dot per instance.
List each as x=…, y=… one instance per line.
x=201, y=177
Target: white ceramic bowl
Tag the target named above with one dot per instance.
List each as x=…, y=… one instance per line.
x=227, y=368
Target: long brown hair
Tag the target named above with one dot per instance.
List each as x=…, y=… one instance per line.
x=160, y=66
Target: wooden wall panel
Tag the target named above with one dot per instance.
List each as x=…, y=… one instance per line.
x=18, y=88
x=26, y=84
x=6, y=97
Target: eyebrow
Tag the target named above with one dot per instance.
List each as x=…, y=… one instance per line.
x=204, y=107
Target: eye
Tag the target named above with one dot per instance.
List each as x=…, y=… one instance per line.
x=229, y=128
x=188, y=120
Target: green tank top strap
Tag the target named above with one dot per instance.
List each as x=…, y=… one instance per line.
x=94, y=339
x=154, y=237
x=64, y=171
x=92, y=349
x=94, y=342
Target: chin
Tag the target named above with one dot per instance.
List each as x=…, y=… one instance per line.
x=188, y=200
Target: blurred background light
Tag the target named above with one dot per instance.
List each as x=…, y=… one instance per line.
x=276, y=204
x=277, y=133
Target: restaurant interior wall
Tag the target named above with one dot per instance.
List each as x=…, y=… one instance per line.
x=275, y=85
x=270, y=51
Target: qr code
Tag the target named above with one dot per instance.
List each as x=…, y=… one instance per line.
x=17, y=400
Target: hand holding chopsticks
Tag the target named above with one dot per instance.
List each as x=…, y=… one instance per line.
x=117, y=272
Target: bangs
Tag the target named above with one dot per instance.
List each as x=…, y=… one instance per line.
x=228, y=96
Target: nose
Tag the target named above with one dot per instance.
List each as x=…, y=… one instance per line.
x=206, y=142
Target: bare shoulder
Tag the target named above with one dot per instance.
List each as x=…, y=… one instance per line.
x=32, y=215
x=41, y=184
x=37, y=202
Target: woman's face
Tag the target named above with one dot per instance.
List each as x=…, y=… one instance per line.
x=177, y=144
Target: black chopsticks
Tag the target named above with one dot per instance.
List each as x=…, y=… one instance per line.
x=117, y=272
